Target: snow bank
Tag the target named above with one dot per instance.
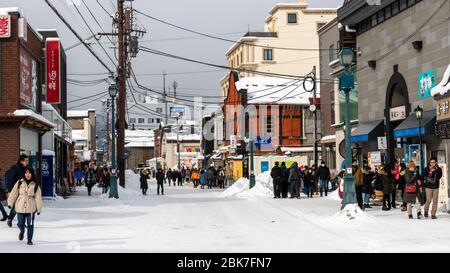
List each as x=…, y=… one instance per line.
x=352, y=213
x=130, y=194
x=334, y=195
x=241, y=188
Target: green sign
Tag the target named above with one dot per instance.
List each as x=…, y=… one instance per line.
x=353, y=102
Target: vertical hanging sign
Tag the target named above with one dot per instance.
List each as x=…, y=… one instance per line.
x=53, y=70
x=5, y=26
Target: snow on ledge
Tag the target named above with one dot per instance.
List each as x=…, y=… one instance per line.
x=444, y=86
x=34, y=115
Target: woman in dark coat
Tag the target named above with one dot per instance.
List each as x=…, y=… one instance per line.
x=309, y=182
x=145, y=174
x=411, y=194
x=368, y=177
x=387, y=188
x=401, y=183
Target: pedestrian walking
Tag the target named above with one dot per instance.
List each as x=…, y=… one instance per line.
x=323, y=175
x=89, y=180
x=145, y=174
x=169, y=176
x=221, y=177
x=401, y=184
x=368, y=179
x=160, y=181
x=210, y=177
x=195, y=177
x=432, y=176
x=411, y=194
x=358, y=175
x=308, y=180
x=106, y=180
x=316, y=182
x=174, y=177
x=294, y=180
x=395, y=181
x=180, y=179
x=387, y=188
x=188, y=175
x=26, y=197
x=276, y=174
x=14, y=174
x=3, y=191
x=203, y=179
x=78, y=175
x=284, y=180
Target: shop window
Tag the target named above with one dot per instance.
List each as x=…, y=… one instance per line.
x=411, y=2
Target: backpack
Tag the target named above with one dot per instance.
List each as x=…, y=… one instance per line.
x=10, y=177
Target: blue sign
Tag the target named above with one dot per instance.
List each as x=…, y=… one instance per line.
x=346, y=81
x=264, y=166
x=426, y=82
x=47, y=175
x=260, y=141
x=176, y=111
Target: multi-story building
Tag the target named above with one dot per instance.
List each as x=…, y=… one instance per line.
x=21, y=122
x=288, y=45
x=83, y=125
x=139, y=147
x=403, y=49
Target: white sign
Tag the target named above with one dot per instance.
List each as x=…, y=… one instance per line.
x=375, y=158
x=23, y=29
x=382, y=143
x=5, y=26
x=398, y=113
x=233, y=141
x=443, y=186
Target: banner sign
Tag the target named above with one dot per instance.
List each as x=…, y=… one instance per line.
x=28, y=80
x=53, y=70
x=426, y=82
x=443, y=186
x=5, y=26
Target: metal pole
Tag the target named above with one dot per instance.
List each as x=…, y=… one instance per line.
x=122, y=94
x=164, y=96
x=420, y=147
x=252, y=171
x=315, y=117
x=113, y=193
x=349, y=181
x=178, y=144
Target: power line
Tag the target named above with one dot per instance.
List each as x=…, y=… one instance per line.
x=224, y=39
x=78, y=36
x=103, y=8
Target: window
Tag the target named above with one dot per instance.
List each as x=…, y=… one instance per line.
x=403, y=5
x=332, y=53
x=387, y=12
x=269, y=121
x=333, y=118
x=159, y=110
x=381, y=16
x=374, y=20
x=268, y=54
x=292, y=18
x=151, y=120
x=158, y=120
x=132, y=120
x=141, y=120
x=395, y=8
x=411, y=2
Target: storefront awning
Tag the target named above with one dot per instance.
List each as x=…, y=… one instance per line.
x=368, y=131
x=410, y=126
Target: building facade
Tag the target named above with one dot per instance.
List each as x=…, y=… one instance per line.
x=83, y=125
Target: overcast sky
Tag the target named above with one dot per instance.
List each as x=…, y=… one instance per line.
x=229, y=19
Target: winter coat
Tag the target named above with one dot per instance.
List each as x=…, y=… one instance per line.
x=221, y=175
x=16, y=175
x=2, y=190
x=160, y=177
x=284, y=174
x=78, y=174
x=143, y=180
x=323, y=173
x=433, y=176
x=106, y=180
x=294, y=174
x=387, y=184
x=276, y=174
x=368, y=177
x=308, y=180
x=210, y=174
x=203, y=179
x=411, y=178
x=25, y=197
x=401, y=180
x=89, y=179
x=195, y=175
x=359, y=180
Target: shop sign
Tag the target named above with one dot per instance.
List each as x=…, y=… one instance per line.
x=5, y=26
x=233, y=141
x=53, y=70
x=397, y=113
x=426, y=82
x=442, y=109
x=375, y=158
x=28, y=80
x=382, y=143
x=443, y=186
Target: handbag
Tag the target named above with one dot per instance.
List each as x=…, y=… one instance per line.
x=411, y=188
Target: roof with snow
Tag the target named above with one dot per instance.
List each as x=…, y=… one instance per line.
x=139, y=133
x=190, y=137
x=272, y=90
x=6, y=11
x=34, y=115
x=444, y=86
x=140, y=144
x=78, y=114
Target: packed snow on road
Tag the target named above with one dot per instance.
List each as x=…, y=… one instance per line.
x=234, y=220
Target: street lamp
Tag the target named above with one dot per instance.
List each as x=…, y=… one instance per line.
x=113, y=193
x=346, y=84
x=419, y=117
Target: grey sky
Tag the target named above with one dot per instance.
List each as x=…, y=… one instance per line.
x=229, y=19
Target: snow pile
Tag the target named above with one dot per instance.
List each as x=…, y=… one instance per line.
x=352, y=212
x=334, y=195
x=130, y=194
x=241, y=188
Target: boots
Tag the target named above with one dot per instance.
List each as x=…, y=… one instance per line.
x=426, y=214
x=419, y=215
x=411, y=217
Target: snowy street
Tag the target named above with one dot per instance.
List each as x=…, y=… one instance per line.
x=195, y=220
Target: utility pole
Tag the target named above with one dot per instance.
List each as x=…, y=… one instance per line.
x=165, y=97
x=122, y=93
x=178, y=144
x=315, y=115
x=175, y=85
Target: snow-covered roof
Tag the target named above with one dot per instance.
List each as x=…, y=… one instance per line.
x=78, y=114
x=272, y=90
x=78, y=135
x=139, y=133
x=34, y=115
x=444, y=86
x=190, y=137
x=140, y=144
x=328, y=138
x=299, y=149
x=6, y=11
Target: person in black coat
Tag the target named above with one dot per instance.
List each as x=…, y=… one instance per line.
x=89, y=180
x=145, y=174
x=309, y=182
x=368, y=178
x=431, y=182
x=160, y=180
x=276, y=175
x=401, y=183
x=284, y=185
x=323, y=176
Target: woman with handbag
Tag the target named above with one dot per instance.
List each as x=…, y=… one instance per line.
x=411, y=194
x=432, y=176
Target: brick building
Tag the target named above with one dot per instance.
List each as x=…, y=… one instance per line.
x=21, y=122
